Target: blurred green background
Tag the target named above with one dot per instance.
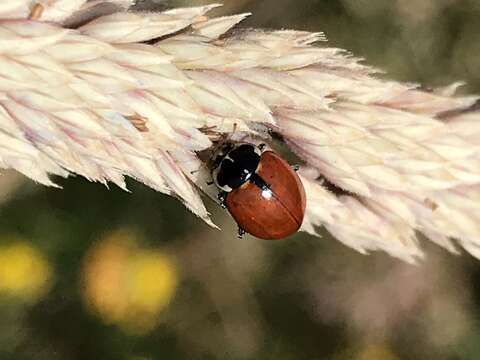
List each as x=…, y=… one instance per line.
x=93, y=273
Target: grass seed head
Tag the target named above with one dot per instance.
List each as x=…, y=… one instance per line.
x=128, y=94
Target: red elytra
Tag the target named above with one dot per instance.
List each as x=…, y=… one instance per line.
x=271, y=218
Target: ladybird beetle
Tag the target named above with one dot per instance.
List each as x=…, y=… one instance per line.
x=261, y=191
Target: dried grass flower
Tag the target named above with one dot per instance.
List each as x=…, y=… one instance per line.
x=108, y=94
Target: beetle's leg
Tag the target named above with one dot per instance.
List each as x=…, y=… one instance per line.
x=296, y=167
x=262, y=146
x=222, y=197
x=241, y=232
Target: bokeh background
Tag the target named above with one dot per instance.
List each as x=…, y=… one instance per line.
x=88, y=272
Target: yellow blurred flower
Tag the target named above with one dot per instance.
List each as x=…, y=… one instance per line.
x=151, y=284
x=126, y=285
x=376, y=352
x=24, y=272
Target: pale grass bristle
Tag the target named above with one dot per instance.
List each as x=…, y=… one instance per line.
x=128, y=94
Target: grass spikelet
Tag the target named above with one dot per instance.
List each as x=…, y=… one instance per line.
x=128, y=94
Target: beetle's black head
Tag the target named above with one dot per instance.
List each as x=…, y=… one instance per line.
x=235, y=165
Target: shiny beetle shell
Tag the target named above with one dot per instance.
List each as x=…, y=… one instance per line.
x=266, y=198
